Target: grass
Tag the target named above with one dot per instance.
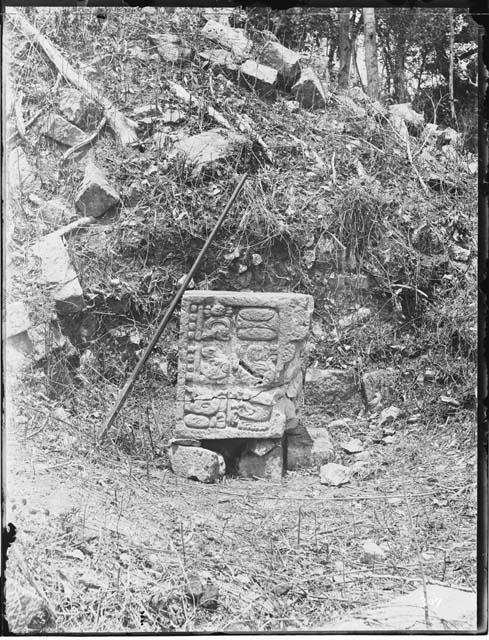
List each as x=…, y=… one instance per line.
x=126, y=528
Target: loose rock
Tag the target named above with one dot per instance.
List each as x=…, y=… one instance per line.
x=352, y=446
x=372, y=553
x=259, y=77
x=307, y=447
x=233, y=39
x=17, y=319
x=334, y=474
x=205, y=149
x=377, y=386
x=389, y=415
x=74, y=106
x=210, y=597
x=221, y=61
x=308, y=90
x=360, y=316
x=63, y=131
x=96, y=195
x=197, y=463
x=21, y=176
x=284, y=60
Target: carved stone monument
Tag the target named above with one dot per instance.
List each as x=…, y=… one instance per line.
x=240, y=364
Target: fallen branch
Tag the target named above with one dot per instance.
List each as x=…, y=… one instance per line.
x=85, y=142
x=243, y=126
x=123, y=127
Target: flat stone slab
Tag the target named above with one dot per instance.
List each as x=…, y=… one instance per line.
x=207, y=148
x=240, y=363
x=16, y=319
x=449, y=609
x=259, y=77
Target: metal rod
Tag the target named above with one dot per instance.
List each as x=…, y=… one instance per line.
x=161, y=327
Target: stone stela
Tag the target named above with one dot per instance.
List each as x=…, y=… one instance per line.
x=241, y=359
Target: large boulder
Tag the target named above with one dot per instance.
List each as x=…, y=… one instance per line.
x=308, y=90
x=203, y=150
x=260, y=78
x=95, y=195
x=235, y=40
x=284, y=60
x=197, y=463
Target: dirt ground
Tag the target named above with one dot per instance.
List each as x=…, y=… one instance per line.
x=115, y=542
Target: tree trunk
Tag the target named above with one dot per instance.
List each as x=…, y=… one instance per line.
x=399, y=75
x=344, y=47
x=371, y=63
x=450, y=72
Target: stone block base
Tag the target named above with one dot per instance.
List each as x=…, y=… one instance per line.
x=197, y=463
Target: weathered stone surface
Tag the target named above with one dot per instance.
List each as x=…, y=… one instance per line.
x=259, y=77
x=46, y=339
x=372, y=553
x=284, y=60
x=176, y=53
x=352, y=446
x=233, y=39
x=21, y=176
x=220, y=60
x=240, y=356
x=377, y=387
x=266, y=464
x=331, y=386
x=389, y=415
x=449, y=610
x=63, y=131
x=209, y=147
x=196, y=463
x=17, y=319
x=308, y=447
x=308, y=90
x=96, y=195
x=75, y=106
x=334, y=474
x=57, y=272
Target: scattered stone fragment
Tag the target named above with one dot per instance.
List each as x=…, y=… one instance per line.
x=63, y=131
x=233, y=39
x=308, y=447
x=210, y=597
x=21, y=176
x=388, y=440
x=377, y=386
x=17, y=319
x=352, y=446
x=173, y=116
x=256, y=259
x=262, y=465
x=450, y=136
x=57, y=271
x=176, y=53
x=75, y=106
x=284, y=60
x=414, y=418
x=282, y=589
x=292, y=105
x=389, y=415
x=95, y=195
x=331, y=387
x=147, y=110
x=221, y=61
x=308, y=90
x=360, y=468
x=458, y=253
x=363, y=456
x=209, y=147
x=404, y=113
x=197, y=463
x=334, y=474
x=372, y=553
x=359, y=317
x=259, y=78
x=194, y=589
x=61, y=414
x=451, y=401
x=46, y=339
